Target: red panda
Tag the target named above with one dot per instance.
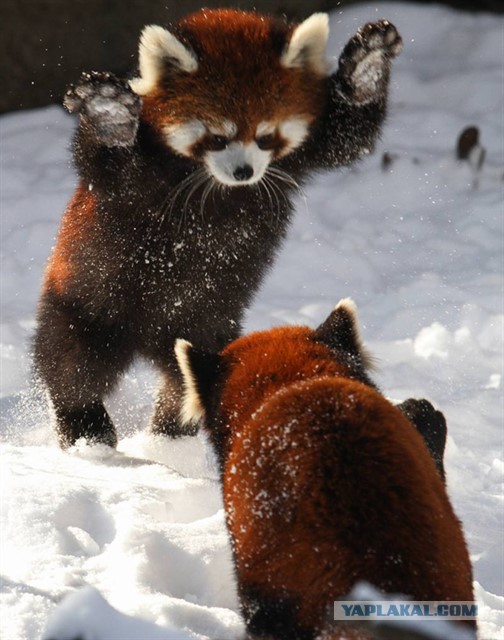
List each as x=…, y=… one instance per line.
x=186, y=176
x=325, y=482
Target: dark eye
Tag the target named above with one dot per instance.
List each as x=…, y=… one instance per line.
x=266, y=142
x=217, y=143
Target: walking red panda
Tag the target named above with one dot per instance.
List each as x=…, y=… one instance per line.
x=325, y=482
x=186, y=177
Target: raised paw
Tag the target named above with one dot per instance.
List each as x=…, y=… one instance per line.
x=430, y=424
x=108, y=107
x=364, y=65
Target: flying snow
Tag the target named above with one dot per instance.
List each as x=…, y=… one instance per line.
x=132, y=544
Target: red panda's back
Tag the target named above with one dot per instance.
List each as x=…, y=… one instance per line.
x=328, y=484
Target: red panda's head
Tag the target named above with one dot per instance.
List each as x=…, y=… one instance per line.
x=233, y=90
x=224, y=388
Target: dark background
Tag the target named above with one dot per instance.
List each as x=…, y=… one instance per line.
x=45, y=44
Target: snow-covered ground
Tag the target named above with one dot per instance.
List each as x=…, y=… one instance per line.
x=419, y=246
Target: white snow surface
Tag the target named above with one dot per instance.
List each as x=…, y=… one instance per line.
x=419, y=247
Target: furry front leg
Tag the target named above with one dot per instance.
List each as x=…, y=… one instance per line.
x=356, y=101
x=109, y=110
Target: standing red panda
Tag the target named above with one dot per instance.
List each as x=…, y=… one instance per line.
x=186, y=179
x=325, y=483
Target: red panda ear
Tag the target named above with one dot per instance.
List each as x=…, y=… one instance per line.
x=199, y=372
x=341, y=332
x=306, y=47
x=160, y=51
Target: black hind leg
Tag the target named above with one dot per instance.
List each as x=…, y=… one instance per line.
x=91, y=422
x=431, y=425
x=79, y=361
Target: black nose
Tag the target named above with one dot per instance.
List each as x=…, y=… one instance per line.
x=243, y=173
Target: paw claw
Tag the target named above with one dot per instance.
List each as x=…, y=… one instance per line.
x=380, y=35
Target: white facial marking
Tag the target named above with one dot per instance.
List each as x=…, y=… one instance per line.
x=182, y=137
x=307, y=45
x=265, y=129
x=225, y=128
x=192, y=410
x=158, y=49
x=294, y=132
x=226, y=164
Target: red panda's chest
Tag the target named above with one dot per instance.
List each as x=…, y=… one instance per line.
x=162, y=268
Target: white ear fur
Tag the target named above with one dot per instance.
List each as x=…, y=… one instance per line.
x=159, y=47
x=351, y=308
x=192, y=410
x=307, y=44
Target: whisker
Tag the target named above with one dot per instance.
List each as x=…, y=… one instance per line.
x=284, y=177
x=198, y=182
x=281, y=193
x=209, y=188
x=168, y=202
x=201, y=179
x=174, y=194
x=264, y=184
x=279, y=174
x=272, y=189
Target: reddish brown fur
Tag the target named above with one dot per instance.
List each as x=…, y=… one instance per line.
x=156, y=251
x=75, y=227
x=326, y=483
x=275, y=94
